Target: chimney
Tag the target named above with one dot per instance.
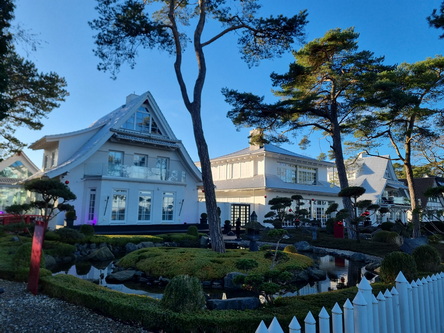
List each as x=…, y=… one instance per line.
x=131, y=97
x=255, y=138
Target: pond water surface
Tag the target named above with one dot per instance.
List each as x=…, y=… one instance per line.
x=340, y=273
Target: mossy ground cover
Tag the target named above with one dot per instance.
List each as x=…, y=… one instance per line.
x=203, y=263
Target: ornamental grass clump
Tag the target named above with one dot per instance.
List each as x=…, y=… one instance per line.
x=184, y=293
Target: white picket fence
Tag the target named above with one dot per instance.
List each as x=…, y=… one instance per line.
x=416, y=307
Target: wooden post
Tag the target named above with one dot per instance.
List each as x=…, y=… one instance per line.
x=360, y=313
x=310, y=323
x=36, y=256
x=324, y=321
x=336, y=315
x=382, y=311
x=349, y=323
x=294, y=326
x=404, y=310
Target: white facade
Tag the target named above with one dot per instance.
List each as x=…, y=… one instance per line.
x=246, y=181
x=127, y=168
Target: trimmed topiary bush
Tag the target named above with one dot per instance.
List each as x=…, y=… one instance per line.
x=387, y=226
x=193, y=231
x=87, y=229
x=68, y=235
x=389, y=237
x=246, y=264
x=395, y=262
x=427, y=258
x=184, y=293
x=290, y=249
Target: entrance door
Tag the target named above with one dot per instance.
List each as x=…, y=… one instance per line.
x=240, y=211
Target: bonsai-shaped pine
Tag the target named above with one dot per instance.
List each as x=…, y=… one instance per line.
x=52, y=197
x=279, y=205
x=299, y=213
x=277, y=235
x=18, y=210
x=354, y=192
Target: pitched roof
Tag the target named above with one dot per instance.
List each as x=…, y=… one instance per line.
x=110, y=126
x=19, y=166
x=375, y=173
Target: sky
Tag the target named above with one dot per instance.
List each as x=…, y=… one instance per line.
x=395, y=29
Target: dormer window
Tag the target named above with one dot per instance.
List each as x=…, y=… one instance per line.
x=142, y=121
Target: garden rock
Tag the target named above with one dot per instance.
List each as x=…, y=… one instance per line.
x=144, y=244
x=317, y=274
x=50, y=261
x=240, y=303
x=412, y=243
x=130, y=247
x=303, y=246
x=229, y=281
x=101, y=254
x=121, y=276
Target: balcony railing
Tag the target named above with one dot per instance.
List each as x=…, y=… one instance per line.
x=133, y=171
x=395, y=201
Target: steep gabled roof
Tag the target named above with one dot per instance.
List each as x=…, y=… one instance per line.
x=375, y=174
x=16, y=168
x=110, y=126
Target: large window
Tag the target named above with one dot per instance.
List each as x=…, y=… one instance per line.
x=297, y=174
x=15, y=170
x=115, y=163
x=142, y=121
x=168, y=206
x=118, y=210
x=144, y=212
x=241, y=212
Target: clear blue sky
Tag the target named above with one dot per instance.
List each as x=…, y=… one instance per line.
x=396, y=29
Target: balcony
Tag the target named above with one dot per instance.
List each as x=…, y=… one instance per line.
x=392, y=200
x=134, y=172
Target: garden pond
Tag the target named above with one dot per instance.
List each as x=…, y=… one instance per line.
x=341, y=273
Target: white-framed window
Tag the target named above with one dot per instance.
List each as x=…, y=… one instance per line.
x=142, y=121
x=140, y=160
x=144, y=208
x=118, y=207
x=162, y=164
x=168, y=206
x=115, y=163
x=307, y=176
x=92, y=205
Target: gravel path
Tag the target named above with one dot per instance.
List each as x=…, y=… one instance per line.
x=22, y=312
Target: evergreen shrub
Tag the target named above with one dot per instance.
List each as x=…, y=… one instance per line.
x=427, y=258
x=387, y=226
x=68, y=235
x=290, y=249
x=87, y=229
x=395, y=262
x=384, y=236
x=193, y=231
x=184, y=293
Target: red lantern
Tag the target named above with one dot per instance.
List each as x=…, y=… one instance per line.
x=66, y=182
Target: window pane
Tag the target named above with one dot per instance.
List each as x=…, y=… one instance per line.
x=144, y=213
x=115, y=162
x=92, y=204
x=140, y=160
x=118, y=206
x=162, y=166
x=168, y=206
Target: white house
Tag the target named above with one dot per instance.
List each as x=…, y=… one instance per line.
x=247, y=179
x=127, y=169
x=13, y=170
x=377, y=176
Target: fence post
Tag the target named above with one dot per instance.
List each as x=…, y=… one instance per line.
x=262, y=328
x=310, y=323
x=360, y=315
x=410, y=303
x=275, y=327
x=441, y=297
x=436, y=313
x=324, y=321
x=376, y=328
x=294, y=326
x=366, y=289
x=390, y=318
x=404, y=309
x=415, y=308
x=428, y=302
x=349, y=324
x=382, y=311
x=336, y=318
x=396, y=312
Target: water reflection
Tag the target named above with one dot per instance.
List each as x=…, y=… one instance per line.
x=341, y=273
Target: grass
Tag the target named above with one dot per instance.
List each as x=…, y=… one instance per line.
x=203, y=263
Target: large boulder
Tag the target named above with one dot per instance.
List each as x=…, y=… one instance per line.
x=412, y=243
x=239, y=303
x=303, y=246
x=121, y=276
x=144, y=244
x=130, y=247
x=229, y=283
x=100, y=254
